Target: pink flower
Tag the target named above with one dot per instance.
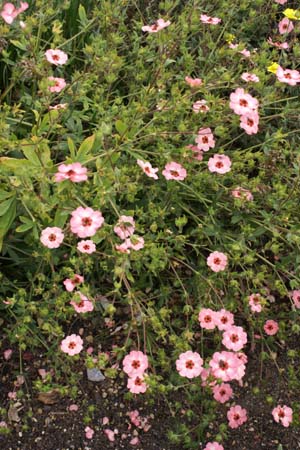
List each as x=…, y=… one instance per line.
x=193, y=82
x=82, y=306
x=189, y=364
x=74, y=172
x=246, y=76
x=87, y=246
x=281, y=2
x=207, y=318
x=134, y=242
x=159, y=25
x=205, y=139
x=285, y=26
x=255, y=302
x=271, y=327
x=207, y=378
x=12, y=395
x=85, y=222
x=70, y=284
x=135, y=363
x=124, y=247
x=217, y=261
x=10, y=12
x=291, y=77
x=174, y=171
x=242, y=103
x=249, y=122
x=72, y=345
x=57, y=84
x=73, y=407
x=245, y=53
x=234, y=338
x=223, y=319
x=210, y=20
x=56, y=57
x=105, y=420
x=134, y=441
x=219, y=164
x=110, y=434
x=213, y=446
x=236, y=416
x=295, y=295
x=227, y=366
x=137, y=385
x=198, y=154
x=7, y=354
x=125, y=227
x=148, y=169
x=241, y=193
x=222, y=392
x=283, y=414
x=52, y=237
x=89, y=432
x=281, y=45
x=200, y=106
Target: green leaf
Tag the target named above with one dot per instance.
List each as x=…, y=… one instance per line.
x=24, y=227
x=85, y=148
x=18, y=44
x=121, y=127
x=15, y=165
x=6, y=220
x=60, y=218
x=82, y=16
x=30, y=153
x=72, y=148
x=4, y=206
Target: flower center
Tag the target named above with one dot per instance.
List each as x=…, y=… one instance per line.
x=70, y=173
x=243, y=102
x=138, y=381
x=250, y=122
x=72, y=345
x=136, y=364
x=86, y=221
x=205, y=139
x=236, y=416
x=207, y=319
x=219, y=164
x=174, y=173
x=86, y=247
x=189, y=364
x=223, y=365
x=55, y=57
x=234, y=338
x=52, y=237
x=217, y=261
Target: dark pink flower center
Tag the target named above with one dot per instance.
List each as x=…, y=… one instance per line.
x=219, y=164
x=72, y=345
x=223, y=365
x=174, y=173
x=136, y=364
x=189, y=364
x=138, y=381
x=243, y=102
x=52, y=237
x=86, y=221
x=234, y=338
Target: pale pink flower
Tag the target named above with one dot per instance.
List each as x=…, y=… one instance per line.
x=283, y=414
x=159, y=25
x=233, y=46
x=207, y=318
x=197, y=154
x=234, y=338
x=189, y=364
x=223, y=319
x=242, y=103
x=105, y=420
x=249, y=122
x=207, y=378
x=205, y=139
x=125, y=227
x=255, y=302
x=123, y=248
x=271, y=327
x=135, y=363
x=281, y=2
x=241, y=193
x=217, y=261
x=134, y=417
x=83, y=305
x=291, y=77
x=89, y=432
x=219, y=164
x=174, y=171
x=7, y=354
x=285, y=26
x=3, y=424
x=12, y=395
x=210, y=20
x=59, y=106
x=57, y=84
x=222, y=392
x=85, y=222
x=295, y=295
x=281, y=45
x=57, y=57
x=134, y=441
x=110, y=434
x=74, y=172
x=137, y=385
x=134, y=242
x=245, y=53
x=87, y=246
x=213, y=446
x=227, y=366
x=71, y=283
x=52, y=237
x=73, y=407
x=10, y=12
x=246, y=76
x=193, y=82
x=236, y=416
x=200, y=106
x=148, y=169
x=72, y=345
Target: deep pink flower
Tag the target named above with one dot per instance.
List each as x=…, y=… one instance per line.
x=86, y=246
x=193, y=82
x=271, y=327
x=207, y=318
x=295, y=295
x=222, y=392
x=148, y=169
x=71, y=283
x=227, y=366
x=72, y=345
x=189, y=364
x=236, y=416
x=209, y=20
x=57, y=84
x=57, y=57
x=125, y=227
x=85, y=222
x=242, y=103
x=205, y=139
x=255, y=302
x=241, y=193
x=219, y=164
x=285, y=26
x=10, y=12
x=83, y=305
x=223, y=319
x=246, y=76
x=283, y=414
x=52, y=237
x=135, y=363
x=137, y=385
x=200, y=106
x=174, y=171
x=291, y=77
x=217, y=261
x=234, y=338
x=159, y=25
x=74, y=172
x=213, y=446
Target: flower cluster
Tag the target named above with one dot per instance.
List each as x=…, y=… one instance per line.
x=134, y=365
x=246, y=107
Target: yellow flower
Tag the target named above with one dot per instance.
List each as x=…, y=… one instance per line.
x=292, y=14
x=273, y=67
